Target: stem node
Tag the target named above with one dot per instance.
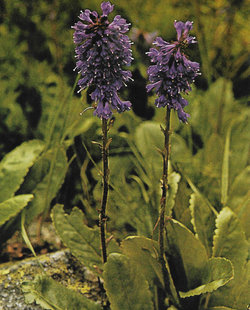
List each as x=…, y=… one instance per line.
x=102, y=216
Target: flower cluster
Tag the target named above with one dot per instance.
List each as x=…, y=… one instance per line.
x=102, y=49
x=173, y=72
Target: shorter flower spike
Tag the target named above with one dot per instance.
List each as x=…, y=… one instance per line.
x=102, y=49
x=172, y=72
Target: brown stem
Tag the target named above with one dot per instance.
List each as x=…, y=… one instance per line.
x=174, y=297
x=207, y=301
x=165, y=155
x=102, y=216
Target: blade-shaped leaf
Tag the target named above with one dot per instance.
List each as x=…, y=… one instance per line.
x=149, y=138
x=83, y=241
x=244, y=216
x=217, y=272
x=173, y=181
x=239, y=150
x=213, y=155
x=26, y=237
x=229, y=240
x=225, y=168
x=220, y=308
x=78, y=126
x=203, y=220
x=181, y=211
x=50, y=172
x=11, y=207
x=52, y=295
x=236, y=292
x=187, y=255
x=239, y=191
x=15, y=165
x=199, y=194
x=144, y=252
x=125, y=285
x=239, y=199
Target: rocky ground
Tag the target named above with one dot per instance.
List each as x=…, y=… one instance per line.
x=61, y=266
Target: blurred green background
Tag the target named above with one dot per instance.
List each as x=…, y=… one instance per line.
x=37, y=52
x=37, y=102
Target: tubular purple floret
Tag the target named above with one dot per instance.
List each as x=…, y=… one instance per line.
x=102, y=48
x=172, y=72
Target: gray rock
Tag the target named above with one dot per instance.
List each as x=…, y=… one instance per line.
x=61, y=266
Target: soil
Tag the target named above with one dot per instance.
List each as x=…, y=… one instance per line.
x=15, y=248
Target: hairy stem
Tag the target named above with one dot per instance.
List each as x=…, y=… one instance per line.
x=165, y=155
x=105, y=167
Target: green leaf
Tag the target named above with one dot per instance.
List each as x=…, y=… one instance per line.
x=229, y=240
x=244, y=216
x=83, y=241
x=15, y=165
x=205, y=110
x=178, y=149
x=211, y=169
x=181, y=210
x=225, y=168
x=125, y=285
x=240, y=190
x=199, y=194
x=239, y=199
x=49, y=173
x=235, y=294
x=11, y=207
x=129, y=209
x=203, y=220
x=78, y=126
x=213, y=154
x=221, y=308
x=12, y=115
x=186, y=253
x=149, y=138
x=50, y=294
x=239, y=151
x=217, y=272
x=174, y=179
x=144, y=253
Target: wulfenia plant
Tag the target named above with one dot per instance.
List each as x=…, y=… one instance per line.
x=171, y=75
x=102, y=49
x=179, y=270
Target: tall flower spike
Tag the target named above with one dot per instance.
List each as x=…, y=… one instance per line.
x=102, y=49
x=172, y=72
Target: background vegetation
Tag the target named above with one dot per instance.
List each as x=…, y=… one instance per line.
x=46, y=145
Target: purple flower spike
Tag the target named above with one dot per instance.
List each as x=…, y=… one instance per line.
x=102, y=49
x=172, y=72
